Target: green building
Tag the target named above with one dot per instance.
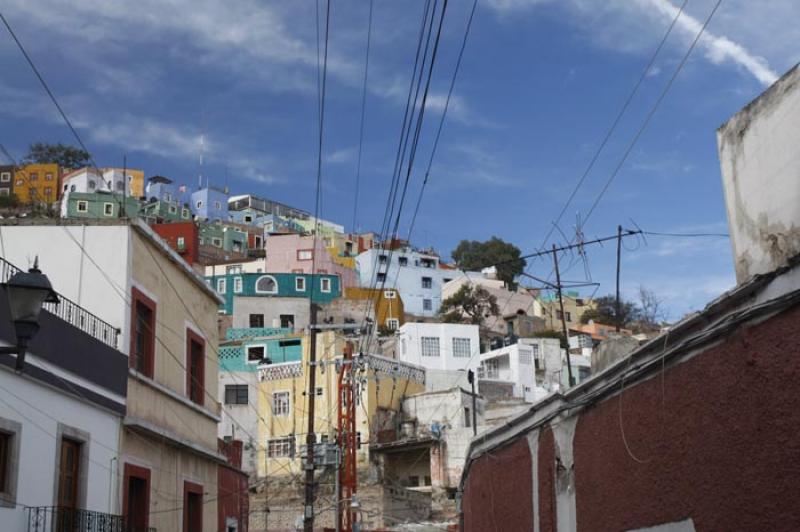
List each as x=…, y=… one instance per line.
x=99, y=205
x=324, y=288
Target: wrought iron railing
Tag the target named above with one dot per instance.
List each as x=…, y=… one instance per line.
x=63, y=519
x=71, y=312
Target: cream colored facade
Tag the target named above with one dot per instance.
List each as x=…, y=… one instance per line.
x=165, y=432
x=380, y=392
x=574, y=307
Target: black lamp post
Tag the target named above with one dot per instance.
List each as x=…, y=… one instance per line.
x=27, y=292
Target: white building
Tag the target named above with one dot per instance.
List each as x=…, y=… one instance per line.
x=418, y=276
x=60, y=423
x=88, y=180
x=446, y=351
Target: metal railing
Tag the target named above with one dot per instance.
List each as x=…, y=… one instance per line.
x=63, y=519
x=71, y=312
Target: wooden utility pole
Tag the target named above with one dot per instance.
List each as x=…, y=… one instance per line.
x=619, y=253
x=563, y=316
x=311, y=437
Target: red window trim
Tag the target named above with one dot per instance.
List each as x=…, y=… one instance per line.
x=143, y=473
x=138, y=297
x=192, y=336
x=301, y=250
x=196, y=489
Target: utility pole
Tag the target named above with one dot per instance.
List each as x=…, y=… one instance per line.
x=619, y=252
x=471, y=379
x=311, y=437
x=563, y=316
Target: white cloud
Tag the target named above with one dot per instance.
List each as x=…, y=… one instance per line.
x=627, y=26
x=343, y=155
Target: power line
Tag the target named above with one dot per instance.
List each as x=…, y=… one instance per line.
x=361, y=128
x=614, y=124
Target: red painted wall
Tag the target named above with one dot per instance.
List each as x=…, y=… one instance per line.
x=717, y=443
x=498, y=493
x=714, y=439
x=188, y=230
x=232, y=484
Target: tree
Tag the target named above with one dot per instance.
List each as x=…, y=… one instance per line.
x=470, y=303
x=605, y=311
x=474, y=255
x=67, y=157
x=651, y=310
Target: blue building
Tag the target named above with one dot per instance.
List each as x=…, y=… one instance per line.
x=210, y=204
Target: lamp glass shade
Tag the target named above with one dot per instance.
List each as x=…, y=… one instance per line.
x=27, y=292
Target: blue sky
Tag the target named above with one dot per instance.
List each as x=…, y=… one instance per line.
x=541, y=81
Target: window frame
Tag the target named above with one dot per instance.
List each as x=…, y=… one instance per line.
x=235, y=393
x=5, y=177
x=393, y=323
x=137, y=298
x=275, y=447
x=389, y=294
x=222, y=285
x=302, y=253
x=274, y=281
x=105, y=209
x=83, y=203
x=142, y=473
x=238, y=285
x=322, y=285
x=427, y=304
x=426, y=282
x=261, y=320
x=457, y=350
x=195, y=395
x=285, y=407
x=9, y=477
x=247, y=349
x=426, y=351
x=297, y=282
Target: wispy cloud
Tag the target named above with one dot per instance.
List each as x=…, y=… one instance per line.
x=342, y=155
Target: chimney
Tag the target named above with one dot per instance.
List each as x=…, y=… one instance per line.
x=761, y=178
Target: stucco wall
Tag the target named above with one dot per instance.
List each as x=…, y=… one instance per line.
x=410, y=349
x=271, y=308
x=761, y=177
x=36, y=479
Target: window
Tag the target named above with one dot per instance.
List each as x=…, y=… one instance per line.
x=256, y=320
x=222, y=285
x=325, y=285
x=136, y=497
x=569, y=316
x=216, y=242
x=33, y=176
x=492, y=369
x=467, y=417
x=108, y=209
x=380, y=277
x=218, y=205
x=280, y=447
x=382, y=259
x=5, y=177
x=305, y=254
x=413, y=480
x=280, y=403
x=4, y=192
x=92, y=185
x=82, y=206
x=266, y=285
x=185, y=213
x=427, y=304
x=428, y=263
x=167, y=197
x=195, y=366
x=248, y=219
x=319, y=392
x=427, y=282
x=173, y=209
x=403, y=346
x=430, y=346
x=524, y=356
x=393, y=323
x=9, y=460
x=236, y=268
x=402, y=261
x=300, y=284
x=143, y=334
x=389, y=294
x=287, y=321
x=237, y=285
x=181, y=243
x=20, y=182
x=199, y=204
x=48, y=176
x=255, y=353
x=461, y=348
x=446, y=280
x=236, y=394
x=192, y=506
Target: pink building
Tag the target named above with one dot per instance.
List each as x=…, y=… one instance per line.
x=292, y=253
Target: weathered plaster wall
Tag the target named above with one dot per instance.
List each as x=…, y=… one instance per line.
x=761, y=176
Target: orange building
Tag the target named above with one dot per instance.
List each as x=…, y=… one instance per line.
x=38, y=183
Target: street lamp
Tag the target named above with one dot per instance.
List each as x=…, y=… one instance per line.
x=27, y=292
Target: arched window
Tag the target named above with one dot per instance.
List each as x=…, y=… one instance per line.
x=266, y=284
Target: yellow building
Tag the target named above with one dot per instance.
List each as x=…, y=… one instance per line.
x=38, y=183
x=283, y=406
x=387, y=304
x=574, y=307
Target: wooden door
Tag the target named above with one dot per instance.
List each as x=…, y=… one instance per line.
x=69, y=469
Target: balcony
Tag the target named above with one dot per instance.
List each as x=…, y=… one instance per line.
x=71, y=312
x=63, y=519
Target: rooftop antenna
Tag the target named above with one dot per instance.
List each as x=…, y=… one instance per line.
x=200, y=169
